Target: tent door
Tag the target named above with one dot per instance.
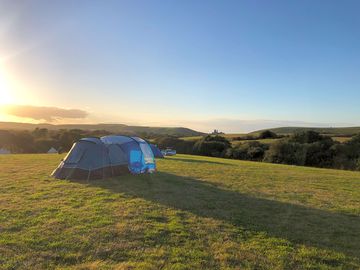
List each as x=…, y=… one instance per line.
x=135, y=163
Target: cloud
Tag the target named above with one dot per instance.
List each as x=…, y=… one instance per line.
x=49, y=114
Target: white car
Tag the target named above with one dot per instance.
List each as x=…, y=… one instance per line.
x=168, y=152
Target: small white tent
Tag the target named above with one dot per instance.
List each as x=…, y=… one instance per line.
x=4, y=151
x=52, y=150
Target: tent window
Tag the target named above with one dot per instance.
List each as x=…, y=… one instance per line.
x=148, y=155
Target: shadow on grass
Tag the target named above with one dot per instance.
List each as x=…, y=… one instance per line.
x=299, y=224
x=198, y=161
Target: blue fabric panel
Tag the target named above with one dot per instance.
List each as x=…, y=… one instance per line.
x=117, y=155
x=93, y=140
x=136, y=161
x=112, y=139
x=156, y=151
x=88, y=155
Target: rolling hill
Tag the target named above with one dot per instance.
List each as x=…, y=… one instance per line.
x=346, y=131
x=114, y=128
x=194, y=213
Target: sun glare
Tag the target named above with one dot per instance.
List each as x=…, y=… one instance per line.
x=5, y=91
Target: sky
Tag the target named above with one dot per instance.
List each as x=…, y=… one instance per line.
x=231, y=65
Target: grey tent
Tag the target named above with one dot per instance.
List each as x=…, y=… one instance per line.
x=94, y=158
x=52, y=150
x=4, y=151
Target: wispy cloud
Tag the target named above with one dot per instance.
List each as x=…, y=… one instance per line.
x=49, y=114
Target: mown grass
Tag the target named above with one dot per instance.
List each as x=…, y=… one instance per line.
x=264, y=141
x=341, y=139
x=195, y=213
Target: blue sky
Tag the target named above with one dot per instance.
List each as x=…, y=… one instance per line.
x=202, y=64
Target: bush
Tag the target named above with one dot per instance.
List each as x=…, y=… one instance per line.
x=285, y=152
x=181, y=146
x=306, y=137
x=214, y=146
x=267, y=134
x=347, y=155
x=320, y=153
x=248, y=151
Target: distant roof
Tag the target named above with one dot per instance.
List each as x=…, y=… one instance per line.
x=4, y=151
x=52, y=150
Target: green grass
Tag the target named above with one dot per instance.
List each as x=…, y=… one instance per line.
x=341, y=139
x=191, y=138
x=195, y=213
x=264, y=141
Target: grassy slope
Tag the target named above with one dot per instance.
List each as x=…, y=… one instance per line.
x=341, y=139
x=265, y=141
x=330, y=131
x=115, y=128
x=196, y=212
x=229, y=136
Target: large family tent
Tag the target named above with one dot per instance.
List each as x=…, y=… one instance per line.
x=156, y=151
x=98, y=158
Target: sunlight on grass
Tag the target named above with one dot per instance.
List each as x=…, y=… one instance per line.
x=195, y=213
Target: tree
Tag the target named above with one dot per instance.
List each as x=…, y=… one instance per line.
x=285, y=152
x=6, y=139
x=181, y=146
x=40, y=132
x=23, y=142
x=267, y=134
x=214, y=146
x=306, y=137
x=248, y=151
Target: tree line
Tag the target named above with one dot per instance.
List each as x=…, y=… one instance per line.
x=306, y=148
x=41, y=140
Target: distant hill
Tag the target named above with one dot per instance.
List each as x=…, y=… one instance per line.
x=345, y=131
x=114, y=128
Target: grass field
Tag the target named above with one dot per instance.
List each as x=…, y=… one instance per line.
x=264, y=141
x=341, y=139
x=195, y=213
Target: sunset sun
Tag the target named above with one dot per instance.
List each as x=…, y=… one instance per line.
x=5, y=91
